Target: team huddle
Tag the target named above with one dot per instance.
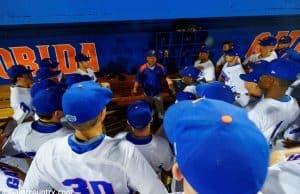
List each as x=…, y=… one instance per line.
x=233, y=128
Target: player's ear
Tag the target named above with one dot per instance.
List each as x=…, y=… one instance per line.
x=102, y=115
x=176, y=172
x=58, y=114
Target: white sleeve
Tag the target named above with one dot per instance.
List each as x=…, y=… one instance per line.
x=15, y=139
x=142, y=177
x=221, y=61
x=210, y=74
x=197, y=63
x=35, y=179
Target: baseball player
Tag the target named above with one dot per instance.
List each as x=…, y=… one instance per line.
x=275, y=111
x=45, y=73
x=28, y=137
x=230, y=75
x=266, y=51
x=189, y=75
x=221, y=61
x=215, y=90
x=284, y=50
x=89, y=161
x=150, y=76
x=83, y=68
x=53, y=65
x=20, y=99
x=207, y=168
x=251, y=83
x=155, y=149
x=205, y=65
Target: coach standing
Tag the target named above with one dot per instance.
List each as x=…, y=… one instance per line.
x=150, y=76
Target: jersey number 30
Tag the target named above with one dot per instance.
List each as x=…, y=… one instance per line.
x=88, y=187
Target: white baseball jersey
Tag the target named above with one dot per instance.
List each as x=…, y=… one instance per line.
x=208, y=71
x=101, y=165
x=231, y=77
x=256, y=57
x=273, y=116
x=89, y=72
x=17, y=96
x=155, y=149
x=284, y=177
x=9, y=181
x=28, y=137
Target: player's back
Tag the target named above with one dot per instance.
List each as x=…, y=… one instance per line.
x=273, y=116
x=9, y=181
x=29, y=136
x=155, y=149
x=103, y=164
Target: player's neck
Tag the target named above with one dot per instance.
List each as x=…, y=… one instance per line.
x=143, y=133
x=274, y=94
x=265, y=54
x=83, y=68
x=22, y=84
x=204, y=60
x=232, y=63
x=90, y=133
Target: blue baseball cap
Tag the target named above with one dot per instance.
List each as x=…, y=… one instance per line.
x=48, y=100
x=139, y=114
x=215, y=90
x=190, y=71
x=285, y=40
x=180, y=96
x=84, y=101
x=283, y=69
x=217, y=147
x=204, y=49
x=81, y=57
x=48, y=62
x=75, y=78
x=151, y=53
x=257, y=70
x=17, y=70
x=41, y=85
x=45, y=73
x=231, y=52
x=268, y=41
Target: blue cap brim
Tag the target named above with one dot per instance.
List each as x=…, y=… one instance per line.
x=250, y=77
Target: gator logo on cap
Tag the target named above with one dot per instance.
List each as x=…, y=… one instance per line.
x=71, y=118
